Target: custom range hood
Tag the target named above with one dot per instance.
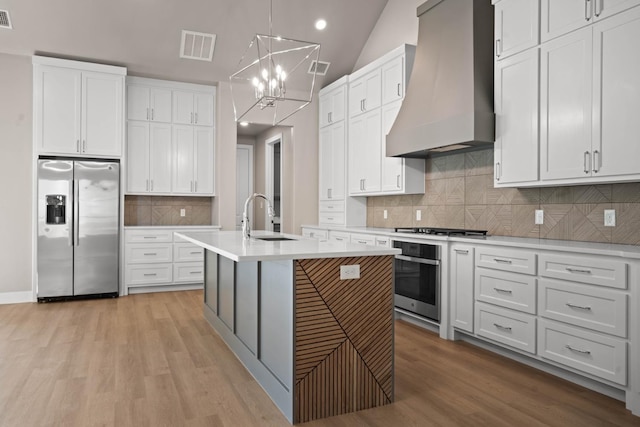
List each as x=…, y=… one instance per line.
x=449, y=99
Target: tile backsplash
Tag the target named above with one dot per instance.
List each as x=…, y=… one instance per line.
x=162, y=210
x=460, y=194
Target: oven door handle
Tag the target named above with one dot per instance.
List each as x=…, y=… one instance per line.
x=418, y=260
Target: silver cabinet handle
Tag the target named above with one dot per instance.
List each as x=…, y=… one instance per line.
x=498, y=44
x=150, y=254
x=598, y=10
x=587, y=10
x=596, y=161
x=330, y=118
x=195, y=253
x=579, y=307
x=195, y=186
x=398, y=181
x=84, y=145
x=150, y=274
x=339, y=239
x=364, y=104
x=77, y=145
x=504, y=328
x=587, y=159
x=461, y=251
x=191, y=186
x=577, y=350
x=578, y=270
x=150, y=237
x=381, y=242
x=196, y=118
x=147, y=186
x=192, y=118
x=76, y=212
x=503, y=291
x=328, y=193
x=152, y=113
x=503, y=261
x=147, y=113
x=497, y=171
x=329, y=219
x=362, y=242
x=196, y=272
x=399, y=86
x=151, y=185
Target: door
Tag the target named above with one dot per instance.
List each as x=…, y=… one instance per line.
x=102, y=114
x=55, y=235
x=516, y=26
x=371, y=156
x=137, y=157
x=183, y=159
x=138, y=102
x=244, y=181
x=160, y=105
x=392, y=167
x=97, y=210
x=605, y=8
x=182, y=107
x=462, y=275
x=562, y=17
x=203, y=161
x=159, y=158
x=326, y=163
x=392, y=80
x=203, y=109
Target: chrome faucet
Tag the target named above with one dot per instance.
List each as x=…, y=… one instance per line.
x=246, y=228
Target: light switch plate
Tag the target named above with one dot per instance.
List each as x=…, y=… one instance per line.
x=385, y=215
x=183, y=212
x=609, y=217
x=349, y=272
x=539, y=217
x=418, y=215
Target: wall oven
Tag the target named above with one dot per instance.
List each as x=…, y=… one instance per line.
x=417, y=278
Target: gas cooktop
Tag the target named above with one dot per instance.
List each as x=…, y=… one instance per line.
x=441, y=231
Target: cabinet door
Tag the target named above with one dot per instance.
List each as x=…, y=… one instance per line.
x=182, y=159
x=561, y=17
x=160, y=158
x=364, y=153
x=565, y=116
x=102, y=115
x=365, y=93
x=616, y=106
x=373, y=94
x=138, y=102
x=516, y=105
x=392, y=167
x=462, y=268
x=357, y=93
x=325, y=102
x=606, y=8
x=59, y=110
x=338, y=161
x=326, y=163
x=393, y=80
x=516, y=26
x=338, y=104
x=160, y=105
x=182, y=107
x=137, y=157
x=203, y=109
x=204, y=161
x=357, y=147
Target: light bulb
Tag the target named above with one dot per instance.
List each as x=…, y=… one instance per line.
x=321, y=24
x=255, y=81
x=273, y=83
x=283, y=76
x=278, y=70
x=265, y=74
x=261, y=86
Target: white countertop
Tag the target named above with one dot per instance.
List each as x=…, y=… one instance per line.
x=230, y=244
x=171, y=227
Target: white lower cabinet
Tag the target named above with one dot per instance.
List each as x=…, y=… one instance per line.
x=461, y=275
x=155, y=257
x=515, y=329
x=315, y=233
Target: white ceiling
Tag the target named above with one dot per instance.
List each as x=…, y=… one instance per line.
x=144, y=35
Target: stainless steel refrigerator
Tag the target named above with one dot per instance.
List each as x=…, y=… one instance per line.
x=78, y=233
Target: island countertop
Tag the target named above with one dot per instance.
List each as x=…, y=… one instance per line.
x=230, y=244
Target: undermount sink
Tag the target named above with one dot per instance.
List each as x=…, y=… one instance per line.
x=273, y=238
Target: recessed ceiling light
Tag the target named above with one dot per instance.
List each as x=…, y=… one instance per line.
x=321, y=24
x=244, y=124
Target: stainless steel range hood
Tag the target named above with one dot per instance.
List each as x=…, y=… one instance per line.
x=449, y=99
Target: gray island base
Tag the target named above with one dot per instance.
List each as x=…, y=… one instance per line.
x=319, y=345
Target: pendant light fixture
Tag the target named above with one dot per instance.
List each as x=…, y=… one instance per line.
x=272, y=82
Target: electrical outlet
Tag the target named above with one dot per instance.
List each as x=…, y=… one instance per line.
x=539, y=217
x=349, y=272
x=183, y=212
x=418, y=215
x=609, y=217
x=385, y=215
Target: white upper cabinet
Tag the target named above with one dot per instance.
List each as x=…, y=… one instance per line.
x=78, y=108
x=148, y=157
x=516, y=107
x=393, y=81
x=332, y=106
x=332, y=162
x=192, y=160
x=148, y=103
x=562, y=17
x=193, y=108
x=365, y=146
x=516, y=26
x=392, y=167
x=365, y=93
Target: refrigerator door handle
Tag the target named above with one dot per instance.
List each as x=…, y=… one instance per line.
x=69, y=214
x=76, y=212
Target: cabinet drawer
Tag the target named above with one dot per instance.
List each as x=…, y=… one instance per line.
x=148, y=236
x=513, y=260
x=187, y=252
x=337, y=206
x=508, y=327
x=510, y=290
x=598, y=309
x=315, y=233
x=148, y=274
x=332, y=218
x=589, y=352
x=339, y=236
x=140, y=253
x=382, y=241
x=363, y=239
x=188, y=272
x=611, y=273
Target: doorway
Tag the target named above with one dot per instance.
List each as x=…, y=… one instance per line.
x=244, y=181
x=273, y=181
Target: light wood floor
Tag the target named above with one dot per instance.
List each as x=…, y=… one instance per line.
x=152, y=360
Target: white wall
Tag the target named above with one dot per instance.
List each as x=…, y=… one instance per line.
x=397, y=24
x=224, y=204
x=15, y=175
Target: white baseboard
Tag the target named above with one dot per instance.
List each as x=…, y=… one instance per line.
x=16, y=297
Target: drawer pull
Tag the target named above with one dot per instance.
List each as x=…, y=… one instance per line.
x=461, y=251
x=503, y=291
x=504, y=328
x=362, y=242
x=150, y=274
x=578, y=270
x=196, y=253
x=150, y=254
x=150, y=237
x=577, y=350
x=339, y=239
x=196, y=272
x=503, y=261
x=579, y=307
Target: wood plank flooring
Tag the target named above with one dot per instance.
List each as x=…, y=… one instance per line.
x=152, y=360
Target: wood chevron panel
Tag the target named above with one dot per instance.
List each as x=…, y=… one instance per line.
x=344, y=337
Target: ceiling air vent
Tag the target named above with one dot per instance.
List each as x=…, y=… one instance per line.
x=196, y=45
x=5, y=21
x=319, y=67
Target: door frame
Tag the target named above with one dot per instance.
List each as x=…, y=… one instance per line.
x=269, y=190
x=250, y=172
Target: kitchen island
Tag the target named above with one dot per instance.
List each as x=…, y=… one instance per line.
x=311, y=320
